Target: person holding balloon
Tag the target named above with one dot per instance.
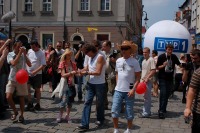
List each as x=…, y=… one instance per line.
x=17, y=80
x=127, y=77
x=148, y=70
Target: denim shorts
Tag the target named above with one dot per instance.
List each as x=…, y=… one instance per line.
x=67, y=97
x=117, y=105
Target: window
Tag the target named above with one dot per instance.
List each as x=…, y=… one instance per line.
x=28, y=6
x=1, y=6
x=105, y=8
x=47, y=5
x=105, y=5
x=102, y=36
x=84, y=5
x=84, y=9
x=46, y=39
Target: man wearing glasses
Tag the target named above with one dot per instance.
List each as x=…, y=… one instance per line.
x=59, y=49
x=127, y=77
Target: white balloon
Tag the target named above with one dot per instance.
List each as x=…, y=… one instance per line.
x=164, y=32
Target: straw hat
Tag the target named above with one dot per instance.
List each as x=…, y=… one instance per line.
x=130, y=44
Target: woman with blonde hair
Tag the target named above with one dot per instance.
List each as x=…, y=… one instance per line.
x=68, y=70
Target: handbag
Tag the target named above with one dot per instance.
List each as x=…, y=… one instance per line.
x=50, y=71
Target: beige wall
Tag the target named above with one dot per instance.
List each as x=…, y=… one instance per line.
x=37, y=7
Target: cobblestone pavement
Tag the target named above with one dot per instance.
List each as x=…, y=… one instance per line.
x=44, y=120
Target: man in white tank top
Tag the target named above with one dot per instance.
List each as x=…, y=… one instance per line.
x=95, y=68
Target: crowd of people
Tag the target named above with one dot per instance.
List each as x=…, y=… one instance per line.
x=98, y=69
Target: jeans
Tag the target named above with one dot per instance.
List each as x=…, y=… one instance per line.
x=195, y=122
x=3, y=82
x=165, y=89
x=80, y=82
x=178, y=80
x=92, y=90
x=147, y=100
x=117, y=103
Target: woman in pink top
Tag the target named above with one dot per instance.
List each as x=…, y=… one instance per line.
x=68, y=70
x=47, y=55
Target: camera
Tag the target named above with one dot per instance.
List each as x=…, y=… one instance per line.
x=188, y=120
x=170, y=68
x=187, y=66
x=114, y=54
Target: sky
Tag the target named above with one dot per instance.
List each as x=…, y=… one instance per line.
x=158, y=10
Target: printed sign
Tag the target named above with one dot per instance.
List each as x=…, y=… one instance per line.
x=180, y=45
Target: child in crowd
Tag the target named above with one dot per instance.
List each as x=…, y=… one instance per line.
x=68, y=70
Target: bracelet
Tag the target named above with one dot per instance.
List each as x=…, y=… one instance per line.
x=86, y=73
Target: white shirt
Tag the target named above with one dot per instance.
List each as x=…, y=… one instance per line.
x=13, y=69
x=126, y=69
x=87, y=58
x=178, y=68
x=147, y=66
x=37, y=59
x=60, y=52
x=92, y=63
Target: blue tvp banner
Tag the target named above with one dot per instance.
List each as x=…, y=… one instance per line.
x=180, y=45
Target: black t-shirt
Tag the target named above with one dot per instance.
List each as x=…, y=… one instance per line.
x=80, y=61
x=163, y=74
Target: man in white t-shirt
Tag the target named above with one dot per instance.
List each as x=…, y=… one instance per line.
x=128, y=76
x=38, y=61
x=148, y=70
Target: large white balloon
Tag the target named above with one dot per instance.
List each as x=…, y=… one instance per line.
x=164, y=32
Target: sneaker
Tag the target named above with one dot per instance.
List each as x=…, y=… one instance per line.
x=128, y=131
x=144, y=116
x=116, y=131
x=161, y=115
x=21, y=119
x=68, y=119
x=29, y=107
x=98, y=123
x=37, y=107
x=59, y=118
x=83, y=128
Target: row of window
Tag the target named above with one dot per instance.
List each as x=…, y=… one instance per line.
x=105, y=5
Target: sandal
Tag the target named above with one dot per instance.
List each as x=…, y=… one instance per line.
x=14, y=116
x=21, y=119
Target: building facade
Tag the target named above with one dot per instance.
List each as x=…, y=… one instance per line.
x=188, y=16
x=74, y=20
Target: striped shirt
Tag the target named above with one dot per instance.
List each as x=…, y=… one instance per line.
x=195, y=84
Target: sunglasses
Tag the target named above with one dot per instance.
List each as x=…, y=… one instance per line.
x=58, y=46
x=125, y=48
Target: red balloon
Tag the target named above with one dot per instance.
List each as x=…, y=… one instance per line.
x=141, y=88
x=22, y=76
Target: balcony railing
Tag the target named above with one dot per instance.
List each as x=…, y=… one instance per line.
x=187, y=14
x=28, y=13
x=84, y=13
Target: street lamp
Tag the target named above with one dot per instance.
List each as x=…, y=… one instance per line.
x=146, y=18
